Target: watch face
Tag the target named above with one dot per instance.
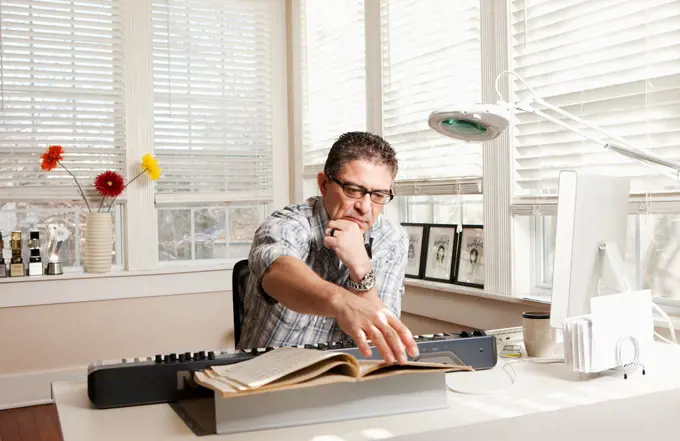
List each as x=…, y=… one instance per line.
x=366, y=283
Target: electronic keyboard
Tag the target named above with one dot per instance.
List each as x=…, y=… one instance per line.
x=169, y=378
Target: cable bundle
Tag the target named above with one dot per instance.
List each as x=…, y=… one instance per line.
x=633, y=365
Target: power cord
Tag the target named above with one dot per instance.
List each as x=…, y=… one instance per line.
x=511, y=373
x=512, y=376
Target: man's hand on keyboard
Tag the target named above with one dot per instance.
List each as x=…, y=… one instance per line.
x=363, y=319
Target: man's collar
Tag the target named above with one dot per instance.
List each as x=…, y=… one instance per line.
x=319, y=221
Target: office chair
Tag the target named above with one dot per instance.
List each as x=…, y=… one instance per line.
x=239, y=281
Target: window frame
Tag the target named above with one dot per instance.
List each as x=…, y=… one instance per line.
x=497, y=168
x=140, y=210
x=138, y=206
x=511, y=270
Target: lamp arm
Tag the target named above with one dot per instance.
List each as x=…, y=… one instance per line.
x=625, y=149
x=585, y=123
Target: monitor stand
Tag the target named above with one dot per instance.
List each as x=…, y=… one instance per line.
x=613, y=263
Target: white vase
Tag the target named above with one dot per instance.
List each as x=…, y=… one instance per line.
x=98, y=243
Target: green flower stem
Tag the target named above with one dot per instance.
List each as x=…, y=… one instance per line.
x=78, y=184
x=121, y=192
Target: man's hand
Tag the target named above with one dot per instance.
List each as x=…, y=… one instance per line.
x=347, y=241
x=363, y=319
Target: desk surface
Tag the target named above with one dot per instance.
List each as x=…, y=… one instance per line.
x=540, y=389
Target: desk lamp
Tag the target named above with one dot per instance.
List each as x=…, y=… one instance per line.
x=484, y=122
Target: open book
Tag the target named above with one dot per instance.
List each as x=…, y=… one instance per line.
x=292, y=367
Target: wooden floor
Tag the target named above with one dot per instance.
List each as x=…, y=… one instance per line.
x=35, y=423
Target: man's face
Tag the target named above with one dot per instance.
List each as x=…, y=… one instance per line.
x=359, y=173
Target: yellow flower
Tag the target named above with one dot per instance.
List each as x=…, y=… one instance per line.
x=150, y=165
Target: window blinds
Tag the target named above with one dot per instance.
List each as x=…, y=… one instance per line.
x=431, y=59
x=333, y=67
x=614, y=64
x=213, y=99
x=60, y=83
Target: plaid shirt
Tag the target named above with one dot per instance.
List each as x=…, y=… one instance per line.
x=298, y=230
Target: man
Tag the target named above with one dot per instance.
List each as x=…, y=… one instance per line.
x=312, y=278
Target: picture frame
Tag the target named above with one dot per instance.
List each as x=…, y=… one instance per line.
x=470, y=260
x=417, y=243
x=442, y=245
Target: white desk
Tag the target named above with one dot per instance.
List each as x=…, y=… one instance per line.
x=547, y=402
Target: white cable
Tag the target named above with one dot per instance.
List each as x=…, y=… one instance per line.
x=671, y=328
x=513, y=379
x=634, y=364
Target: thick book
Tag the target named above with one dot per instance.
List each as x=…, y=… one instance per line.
x=288, y=368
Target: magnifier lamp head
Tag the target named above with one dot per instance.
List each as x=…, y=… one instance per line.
x=472, y=122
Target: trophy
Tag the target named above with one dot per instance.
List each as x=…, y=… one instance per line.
x=3, y=266
x=35, y=266
x=16, y=264
x=57, y=236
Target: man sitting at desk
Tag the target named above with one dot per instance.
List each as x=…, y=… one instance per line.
x=333, y=266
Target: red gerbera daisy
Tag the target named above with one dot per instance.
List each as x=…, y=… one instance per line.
x=109, y=184
x=51, y=157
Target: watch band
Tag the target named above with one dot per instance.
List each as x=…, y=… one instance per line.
x=366, y=284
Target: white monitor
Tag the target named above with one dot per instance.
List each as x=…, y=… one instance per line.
x=591, y=210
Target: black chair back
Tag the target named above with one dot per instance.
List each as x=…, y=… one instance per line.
x=238, y=285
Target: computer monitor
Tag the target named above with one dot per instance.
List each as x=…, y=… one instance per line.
x=590, y=244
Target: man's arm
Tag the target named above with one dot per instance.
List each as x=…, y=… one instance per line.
x=296, y=286
x=277, y=260
x=347, y=242
x=292, y=283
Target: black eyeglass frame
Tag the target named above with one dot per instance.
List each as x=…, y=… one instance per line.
x=363, y=190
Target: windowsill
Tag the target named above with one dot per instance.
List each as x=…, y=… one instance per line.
x=468, y=291
x=670, y=305
x=72, y=287
x=162, y=268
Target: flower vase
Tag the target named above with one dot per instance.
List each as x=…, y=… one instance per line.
x=98, y=243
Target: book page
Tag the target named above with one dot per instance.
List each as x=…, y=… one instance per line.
x=379, y=367
x=276, y=364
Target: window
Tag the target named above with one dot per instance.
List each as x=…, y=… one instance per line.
x=199, y=233
x=213, y=118
x=28, y=216
x=447, y=209
x=333, y=78
x=421, y=49
x=424, y=45
x=61, y=82
x=615, y=67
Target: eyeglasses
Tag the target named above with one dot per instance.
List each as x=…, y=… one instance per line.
x=357, y=192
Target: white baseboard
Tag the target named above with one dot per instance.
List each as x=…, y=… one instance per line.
x=34, y=388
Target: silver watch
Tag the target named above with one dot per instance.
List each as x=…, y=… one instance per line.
x=366, y=284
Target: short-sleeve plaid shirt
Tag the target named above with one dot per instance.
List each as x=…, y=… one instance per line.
x=298, y=230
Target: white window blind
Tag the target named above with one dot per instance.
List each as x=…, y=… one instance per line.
x=431, y=59
x=333, y=67
x=213, y=99
x=614, y=64
x=60, y=83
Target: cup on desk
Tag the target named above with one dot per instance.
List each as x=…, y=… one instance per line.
x=539, y=337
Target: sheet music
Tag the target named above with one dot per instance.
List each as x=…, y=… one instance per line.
x=272, y=365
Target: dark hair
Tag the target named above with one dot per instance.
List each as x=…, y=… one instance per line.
x=352, y=146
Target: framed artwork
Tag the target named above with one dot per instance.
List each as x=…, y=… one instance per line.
x=417, y=238
x=441, y=250
x=470, y=262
